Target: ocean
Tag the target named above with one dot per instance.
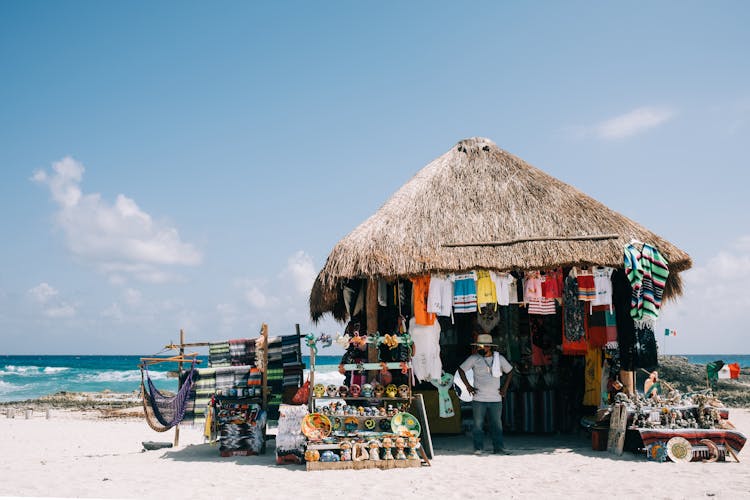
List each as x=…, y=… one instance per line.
x=29, y=377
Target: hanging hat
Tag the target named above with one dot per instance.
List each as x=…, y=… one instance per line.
x=484, y=339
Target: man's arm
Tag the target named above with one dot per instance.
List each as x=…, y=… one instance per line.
x=504, y=388
x=469, y=387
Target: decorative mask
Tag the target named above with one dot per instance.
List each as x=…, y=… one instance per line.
x=378, y=390
x=355, y=390
x=332, y=390
x=343, y=391
x=319, y=390
x=367, y=390
x=391, y=391
x=403, y=391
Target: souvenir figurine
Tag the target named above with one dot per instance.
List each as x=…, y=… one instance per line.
x=403, y=391
x=387, y=445
x=319, y=390
x=355, y=390
x=332, y=391
x=312, y=455
x=391, y=411
x=374, y=446
x=400, y=445
x=361, y=410
x=391, y=391
x=346, y=451
x=343, y=391
x=413, y=444
x=359, y=452
x=367, y=390
x=381, y=411
x=378, y=390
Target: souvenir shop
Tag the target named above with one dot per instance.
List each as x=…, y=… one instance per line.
x=572, y=334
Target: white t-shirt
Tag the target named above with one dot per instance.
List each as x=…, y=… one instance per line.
x=440, y=296
x=603, y=286
x=487, y=386
x=503, y=283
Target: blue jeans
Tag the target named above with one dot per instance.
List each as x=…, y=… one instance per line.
x=479, y=409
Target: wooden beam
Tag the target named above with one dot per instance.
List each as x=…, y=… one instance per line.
x=371, y=301
x=586, y=237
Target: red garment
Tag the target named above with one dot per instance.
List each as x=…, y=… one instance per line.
x=599, y=332
x=553, y=284
x=420, y=290
x=586, y=287
x=734, y=370
x=578, y=347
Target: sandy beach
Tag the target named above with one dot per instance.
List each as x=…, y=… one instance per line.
x=80, y=454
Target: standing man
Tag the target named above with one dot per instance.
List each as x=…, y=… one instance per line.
x=488, y=367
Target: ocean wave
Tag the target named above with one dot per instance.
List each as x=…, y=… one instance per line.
x=6, y=387
x=32, y=370
x=119, y=376
x=55, y=369
x=325, y=378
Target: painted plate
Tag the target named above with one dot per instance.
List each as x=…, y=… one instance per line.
x=351, y=424
x=337, y=423
x=316, y=426
x=370, y=424
x=679, y=449
x=385, y=424
x=406, y=424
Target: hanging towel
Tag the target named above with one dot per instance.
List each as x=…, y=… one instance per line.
x=445, y=404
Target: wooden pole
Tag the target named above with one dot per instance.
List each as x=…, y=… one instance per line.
x=264, y=373
x=179, y=383
x=371, y=301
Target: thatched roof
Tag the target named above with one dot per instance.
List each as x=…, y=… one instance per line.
x=478, y=192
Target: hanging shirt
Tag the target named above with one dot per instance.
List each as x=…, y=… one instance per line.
x=440, y=296
x=464, y=293
x=486, y=291
x=586, y=287
x=532, y=287
x=426, y=364
x=421, y=290
x=593, y=377
x=503, y=287
x=602, y=286
x=552, y=285
x=542, y=307
x=573, y=311
x=382, y=293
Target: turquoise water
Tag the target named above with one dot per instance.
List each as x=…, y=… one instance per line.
x=28, y=377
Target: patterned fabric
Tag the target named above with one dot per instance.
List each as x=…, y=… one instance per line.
x=464, y=293
x=647, y=271
x=218, y=354
x=593, y=377
x=574, y=311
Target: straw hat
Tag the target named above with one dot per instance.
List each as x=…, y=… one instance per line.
x=484, y=339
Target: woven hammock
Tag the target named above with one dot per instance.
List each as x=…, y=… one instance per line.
x=164, y=412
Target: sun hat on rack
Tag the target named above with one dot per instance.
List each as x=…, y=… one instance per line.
x=484, y=339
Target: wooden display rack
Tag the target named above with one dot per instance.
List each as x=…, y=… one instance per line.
x=364, y=464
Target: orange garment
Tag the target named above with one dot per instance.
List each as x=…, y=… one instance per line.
x=420, y=290
x=734, y=370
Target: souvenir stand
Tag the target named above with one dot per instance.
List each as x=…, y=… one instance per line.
x=362, y=427
x=478, y=226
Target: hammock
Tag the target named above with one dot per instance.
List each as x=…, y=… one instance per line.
x=164, y=412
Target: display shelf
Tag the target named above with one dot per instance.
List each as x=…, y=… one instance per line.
x=364, y=464
x=359, y=398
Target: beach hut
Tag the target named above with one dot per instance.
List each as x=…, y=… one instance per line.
x=478, y=207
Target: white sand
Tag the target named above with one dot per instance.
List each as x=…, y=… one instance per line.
x=76, y=455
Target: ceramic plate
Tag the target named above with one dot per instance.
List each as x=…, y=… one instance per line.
x=351, y=424
x=679, y=449
x=406, y=424
x=316, y=426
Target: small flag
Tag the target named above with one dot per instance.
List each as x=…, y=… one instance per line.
x=669, y=332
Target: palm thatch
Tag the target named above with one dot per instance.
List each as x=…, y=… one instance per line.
x=476, y=192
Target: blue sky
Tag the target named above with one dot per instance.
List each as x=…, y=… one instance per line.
x=185, y=164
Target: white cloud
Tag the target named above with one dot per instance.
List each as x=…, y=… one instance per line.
x=256, y=298
x=710, y=314
x=43, y=292
x=62, y=310
x=112, y=312
x=632, y=122
x=301, y=270
x=132, y=297
x=119, y=238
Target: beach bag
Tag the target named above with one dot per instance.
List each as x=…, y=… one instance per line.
x=302, y=396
